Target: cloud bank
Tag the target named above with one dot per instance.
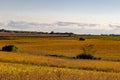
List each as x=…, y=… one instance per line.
x=85, y=28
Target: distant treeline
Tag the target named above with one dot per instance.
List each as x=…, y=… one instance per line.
x=4, y=32
x=57, y=33
x=110, y=34
x=52, y=32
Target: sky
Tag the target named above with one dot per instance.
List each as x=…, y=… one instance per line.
x=77, y=16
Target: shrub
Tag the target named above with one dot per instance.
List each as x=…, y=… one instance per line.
x=10, y=48
x=4, y=38
x=87, y=52
x=82, y=39
x=86, y=56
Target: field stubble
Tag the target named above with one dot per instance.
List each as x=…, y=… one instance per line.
x=35, y=65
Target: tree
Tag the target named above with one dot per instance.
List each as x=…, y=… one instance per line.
x=88, y=49
x=87, y=52
x=52, y=32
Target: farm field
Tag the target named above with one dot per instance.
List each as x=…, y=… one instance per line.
x=35, y=59
x=59, y=40
x=106, y=48
x=12, y=71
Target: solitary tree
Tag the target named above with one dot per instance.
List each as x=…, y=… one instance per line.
x=52, y=32
x=88, y=49
x=87, y=52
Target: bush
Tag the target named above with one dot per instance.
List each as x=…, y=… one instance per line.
x=10, y=48
x=87, y=51
x=4, y=38
x=86, y=56
x=82, y=39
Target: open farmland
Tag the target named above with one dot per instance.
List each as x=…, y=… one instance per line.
x=10, y=71
x=67, y=46
x=34, y=60
x=59, y=39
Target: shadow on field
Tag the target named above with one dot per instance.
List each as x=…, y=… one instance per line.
x=59, y=56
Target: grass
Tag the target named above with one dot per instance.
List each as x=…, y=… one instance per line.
x=51, y=59
x=10, y=71
x=97, y=65
x=70, y=47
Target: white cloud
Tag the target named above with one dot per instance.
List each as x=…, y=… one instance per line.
x=62, y=26
x=104, y=27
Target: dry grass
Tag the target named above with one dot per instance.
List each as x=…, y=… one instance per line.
x=107, y=50
x=10, y=71
x=22, y=66
x=106, y=66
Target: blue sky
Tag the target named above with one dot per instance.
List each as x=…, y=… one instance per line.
x=102, y=12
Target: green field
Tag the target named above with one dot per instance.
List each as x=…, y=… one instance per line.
x=34, y=59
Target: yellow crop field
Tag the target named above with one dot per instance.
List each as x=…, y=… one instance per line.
x=10, y=71
x=106, y=66
x=35, y=59
x=59, y=39
x=106, y=49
